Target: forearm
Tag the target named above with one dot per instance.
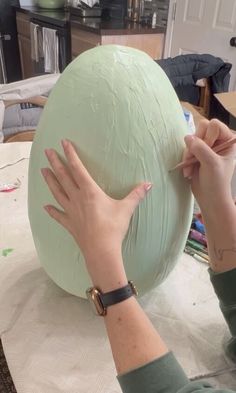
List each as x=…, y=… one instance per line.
x=221, y=235
x=133, y=339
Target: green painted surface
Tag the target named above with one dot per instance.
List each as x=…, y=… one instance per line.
x=7, y=251
x=120, y=110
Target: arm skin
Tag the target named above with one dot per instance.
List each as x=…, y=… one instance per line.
x=211, y=186
x=134, y=341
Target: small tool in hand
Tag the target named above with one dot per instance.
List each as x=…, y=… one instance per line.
x=216, y=149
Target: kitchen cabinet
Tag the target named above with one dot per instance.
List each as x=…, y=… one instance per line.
x=152, y=44
x=82, y=41
x=23, y=29
x=86, y=35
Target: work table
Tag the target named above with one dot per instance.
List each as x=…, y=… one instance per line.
x=39, y=320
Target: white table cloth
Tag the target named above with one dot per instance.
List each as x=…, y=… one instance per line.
x=55, y=344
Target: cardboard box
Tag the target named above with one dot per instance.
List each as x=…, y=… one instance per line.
x=226, y=108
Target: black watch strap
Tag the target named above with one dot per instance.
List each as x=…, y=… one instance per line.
x=118, y=295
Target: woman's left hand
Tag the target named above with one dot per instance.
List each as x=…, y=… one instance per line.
x=97, y=222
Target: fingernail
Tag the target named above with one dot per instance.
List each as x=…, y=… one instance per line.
x=148, y=186
x=65, y=143
x=189, y=139
x=47, y=208
x=47, y=152
x=44, y=172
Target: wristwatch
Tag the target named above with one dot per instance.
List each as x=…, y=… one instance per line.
x=100, y=301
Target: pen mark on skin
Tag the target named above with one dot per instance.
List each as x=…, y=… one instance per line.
x=219, y=253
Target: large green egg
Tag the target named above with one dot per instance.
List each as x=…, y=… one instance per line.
x=120, y=110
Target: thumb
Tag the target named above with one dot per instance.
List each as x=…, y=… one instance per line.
x=200, y=150
x=136, y=196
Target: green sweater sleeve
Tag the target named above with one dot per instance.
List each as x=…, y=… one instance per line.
x=165, y=375
x=225, y=289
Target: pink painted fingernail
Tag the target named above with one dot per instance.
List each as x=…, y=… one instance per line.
x=44, y=172
x=64, y=143
x=148, y=186
x=48, y=152
x=47, y=208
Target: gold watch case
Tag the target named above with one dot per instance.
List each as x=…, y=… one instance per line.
x=93, y=296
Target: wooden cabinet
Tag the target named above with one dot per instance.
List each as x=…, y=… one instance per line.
x=25, y=56
x=152, y=44
x=23, y=29
x=82, y=40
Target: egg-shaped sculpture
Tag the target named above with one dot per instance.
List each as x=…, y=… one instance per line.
x=119, y=109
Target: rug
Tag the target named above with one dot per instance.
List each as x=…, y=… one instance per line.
x=6, y=383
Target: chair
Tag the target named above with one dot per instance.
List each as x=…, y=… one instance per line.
x=33, y=90
x=24, y=136
x=205, y=95
x=196, y=78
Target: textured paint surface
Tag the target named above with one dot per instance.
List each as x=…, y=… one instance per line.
x=121, y=112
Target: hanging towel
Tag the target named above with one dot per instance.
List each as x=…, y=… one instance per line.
x=40, y=43
x=50, y=50
x=34, y=29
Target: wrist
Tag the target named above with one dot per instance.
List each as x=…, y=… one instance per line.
x=219, y=209
x=221, y=236
x=107, y=271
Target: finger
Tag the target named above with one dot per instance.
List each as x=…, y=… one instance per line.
x=136, y=196
x=187, y=171
x=60, y=171
x=200, y=133
x=200, y=150
x=217, y=131
x=55, y=188
x=57, y=215
x=78, y=170
x=202, y=128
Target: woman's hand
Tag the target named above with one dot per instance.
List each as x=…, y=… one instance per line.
x=211, y=185
x=211, y=177
x=97, y=222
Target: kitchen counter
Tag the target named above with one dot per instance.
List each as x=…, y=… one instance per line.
x=58, y=17
x=83, y=34
x=113, y=27
x=93, y=25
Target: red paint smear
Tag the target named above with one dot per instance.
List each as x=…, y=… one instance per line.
x=10, y=190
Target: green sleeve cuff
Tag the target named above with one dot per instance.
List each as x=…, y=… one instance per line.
x=163, y=375
x=225, y=286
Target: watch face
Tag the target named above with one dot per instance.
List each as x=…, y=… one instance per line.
x=93, y=296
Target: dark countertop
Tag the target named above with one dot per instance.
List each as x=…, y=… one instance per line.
x=114, y=26
x=58, y=17
x=61, y=18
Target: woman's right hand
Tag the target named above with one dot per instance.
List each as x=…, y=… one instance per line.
x=211, y=177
